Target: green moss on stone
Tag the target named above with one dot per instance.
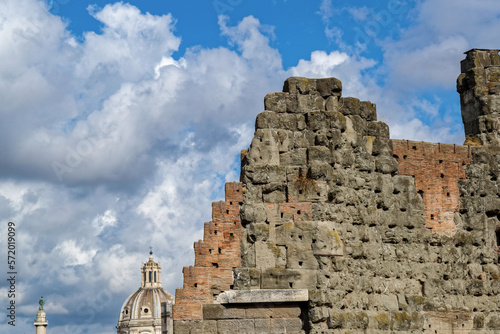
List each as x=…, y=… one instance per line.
x=383, y=321
x=478, y=321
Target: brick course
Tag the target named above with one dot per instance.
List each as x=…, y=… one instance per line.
x=215, y=257
x=436, y=169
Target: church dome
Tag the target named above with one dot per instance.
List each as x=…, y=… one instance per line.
x=150, y=307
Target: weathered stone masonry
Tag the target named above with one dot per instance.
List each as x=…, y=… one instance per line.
x=344, y=230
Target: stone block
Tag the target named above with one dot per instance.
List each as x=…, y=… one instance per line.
x=183, y=327
x=328, y=138
x=337, y=319
x=359, y=125
x=252, y=193
x=265, y=295
x=236, y=326
x=390, y=302
x=262, y=326
x=274, y=310
x=350, y=135
x=337, y=120
x=264, y=148
x=364, y=162
x=285, y=140
x=368, y=111
x=284, y=233
x=209, y=327
x=254, y=213
x=332, y=103
x=217, y=312
x=247, y=251
x=303, y=139
x=328, y=87
x=296, y=157
x=276, y=102
x=353, y=106
x=286, y=326
x=324, y=87
x=292, y=122
x=318, y=120
x=300, y=256
x=268, y=120
x=378, y=129
x=298, y=85
x=246, y=278
x=279, y=278
x=358, y=320
x=319, y=153
x=382, y=147
x=274, y=192
x=264, y=174
x=326, y=241
x=269, y=255
x=386, y=165
x=311, y=102
x=326, y=121
x=318, y=314
x=319, y=170
x=257, y=232
x=479, y=58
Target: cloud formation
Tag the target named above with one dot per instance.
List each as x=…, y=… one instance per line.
x=111, y=143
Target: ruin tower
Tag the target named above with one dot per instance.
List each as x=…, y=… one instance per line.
x=479, y=88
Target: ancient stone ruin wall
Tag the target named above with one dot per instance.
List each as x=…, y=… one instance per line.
x=347, y=231
x=215, y=257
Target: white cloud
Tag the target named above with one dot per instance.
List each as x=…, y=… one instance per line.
x=429, y=51
x=427, y=107
x=252, y=42
x=107, y=219
x=432, y=66
x=332, y=32
x=359, y=13
x=130, y=122
x=321, y=64
x=349, y=69
x=326, y=10
x=130, y=44
x=73, y=254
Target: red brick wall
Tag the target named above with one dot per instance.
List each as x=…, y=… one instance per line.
x=215, y=257
x=436, y=169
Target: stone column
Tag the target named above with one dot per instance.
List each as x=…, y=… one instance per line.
x=479, y=88
x=41, y=322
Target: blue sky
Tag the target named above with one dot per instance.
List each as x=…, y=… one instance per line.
x=120, y=122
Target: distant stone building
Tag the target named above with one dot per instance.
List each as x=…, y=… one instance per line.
x=149, y=309
x=335, y=228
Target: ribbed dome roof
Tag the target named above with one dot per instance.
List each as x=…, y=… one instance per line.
x=145, y=303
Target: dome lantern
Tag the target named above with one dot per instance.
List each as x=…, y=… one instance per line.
x=151, y=273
